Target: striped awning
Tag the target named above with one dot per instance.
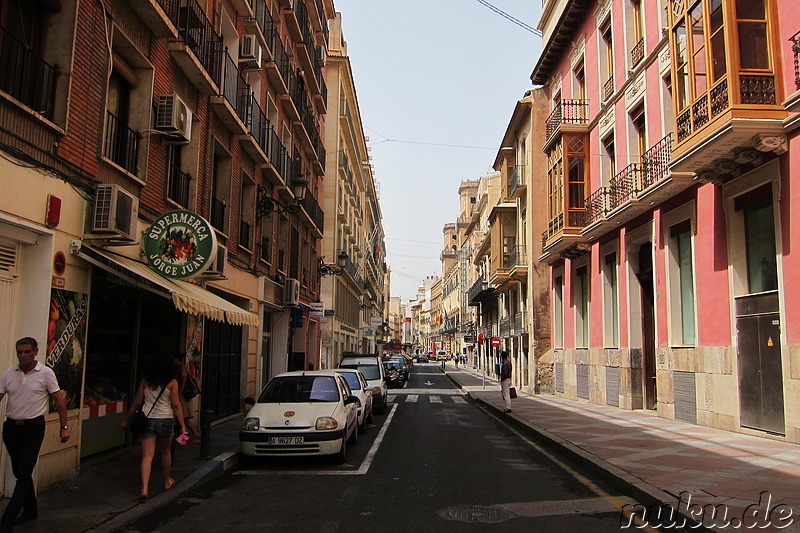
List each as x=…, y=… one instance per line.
x=186, y=297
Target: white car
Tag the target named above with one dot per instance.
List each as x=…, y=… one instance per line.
x=301, y=413
x=372, y=368
x=358, y=384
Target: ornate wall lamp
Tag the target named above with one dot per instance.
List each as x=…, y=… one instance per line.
x=366, y=304
x=266, y=205
x=326, y=269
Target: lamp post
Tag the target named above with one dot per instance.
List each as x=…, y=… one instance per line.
x=266, y=205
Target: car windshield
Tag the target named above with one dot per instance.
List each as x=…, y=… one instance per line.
x=369, y=371
x=300, y=389
x=352, y=380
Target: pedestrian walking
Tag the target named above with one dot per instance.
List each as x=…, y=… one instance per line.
x=28, y=386
x=182, y=377
x=505, y=380
x=159, y=395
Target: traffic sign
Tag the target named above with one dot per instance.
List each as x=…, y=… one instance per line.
x=495, y=342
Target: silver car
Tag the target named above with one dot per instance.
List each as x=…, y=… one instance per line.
x=361, y=390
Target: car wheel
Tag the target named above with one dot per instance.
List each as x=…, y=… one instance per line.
x=354, y=435
x=339, y=458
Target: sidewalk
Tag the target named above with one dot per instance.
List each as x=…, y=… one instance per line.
x=658, y=461
x=103, y=497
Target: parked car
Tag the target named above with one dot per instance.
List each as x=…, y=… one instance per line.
x=371, y=367
x=360, y=388
x=301, y=413
x=405, y=368
x=422, y=358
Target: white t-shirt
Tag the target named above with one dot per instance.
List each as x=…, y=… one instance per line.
x=162, y=409
x=28, y=393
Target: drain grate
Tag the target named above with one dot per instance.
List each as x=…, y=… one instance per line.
x=476, y=514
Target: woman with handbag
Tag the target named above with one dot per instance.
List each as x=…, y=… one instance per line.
x=159, y=398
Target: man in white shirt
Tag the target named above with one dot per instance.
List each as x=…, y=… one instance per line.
x=28, y=386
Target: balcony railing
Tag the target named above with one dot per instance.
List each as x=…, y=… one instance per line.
x=26, y=76
x=122, y=144
x=197, y=32
x=218, y=214
x=656, y=161
x=566, y=112
x=519, y=324
x=234, y=87
x=596, y=205
x=608, y=88
x=178, y=190
x=795, y=39
x=262, y=17
x=259, y=126
x=505, y=326
x=244, y=234
x=637, y=53
x=624, y=185
x=516, y=179
x=323, y=21
x=516, y=257
x=314, y=211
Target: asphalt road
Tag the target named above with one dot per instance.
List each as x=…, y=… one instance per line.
x=433, y=462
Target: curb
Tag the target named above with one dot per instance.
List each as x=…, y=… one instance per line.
x=210, y=469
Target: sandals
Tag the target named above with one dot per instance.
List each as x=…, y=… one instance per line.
x=171, y=485
x=142, y=498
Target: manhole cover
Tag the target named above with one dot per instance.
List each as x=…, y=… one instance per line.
x=476, y=513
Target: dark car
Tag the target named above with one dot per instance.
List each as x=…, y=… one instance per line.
x=394, y=374
x=422, y=358
x=405, y=366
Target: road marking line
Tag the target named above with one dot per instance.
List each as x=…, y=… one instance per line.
x=435, y=399
x=412, y=398
x=458, y=399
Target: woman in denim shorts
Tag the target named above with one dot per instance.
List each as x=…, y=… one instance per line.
x=158, y=392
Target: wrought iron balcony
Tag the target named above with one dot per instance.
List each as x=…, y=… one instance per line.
x=25, y=76
x=178, y=189
x=122, y=144
x=234, y=100
x=795, y=39
x=259, y=127
x=573, y=112
x=608, y=88
x=516, y=181
x=160, y=16
x=314, y=211
x=637, y=53
x=624, y=185
x=197, y=35
x=516, y=257
x=218, y=212
x=244, y=234
x=279, y=67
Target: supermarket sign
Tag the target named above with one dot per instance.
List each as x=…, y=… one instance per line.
x=180, y=244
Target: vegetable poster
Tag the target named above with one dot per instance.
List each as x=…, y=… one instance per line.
x=194, y=346
x=66, y=341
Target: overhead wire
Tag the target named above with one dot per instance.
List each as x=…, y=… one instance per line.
x=513, y=19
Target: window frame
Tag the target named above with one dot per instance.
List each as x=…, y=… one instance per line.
x=676, y=304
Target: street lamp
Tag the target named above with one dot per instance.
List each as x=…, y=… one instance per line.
x=266, y=205
x=325, y=269
x=365, y=304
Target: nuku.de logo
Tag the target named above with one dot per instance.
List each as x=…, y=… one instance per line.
x=688, y=515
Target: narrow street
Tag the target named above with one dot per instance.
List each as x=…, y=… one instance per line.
x=434, y=462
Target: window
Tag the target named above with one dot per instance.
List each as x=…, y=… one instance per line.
x=639, y=140
x=681, y=283
x=759, y=236
x=122, y=142
x=265, y=241
x=609, y=159
x=247, y=208
x=610, y=300
x=577, y=170
x=177, y=180
x=606, y=54
x=719, y=65
x=580, y=82
x=751, y=19
x=558, y=312
x=581, y=299
x=636, y=32
x=220, y=190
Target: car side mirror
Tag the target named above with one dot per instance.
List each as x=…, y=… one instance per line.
x=250, y=400
x=351, y=399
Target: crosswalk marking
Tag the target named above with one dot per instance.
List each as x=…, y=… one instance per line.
x=435, y=399
x=458, y=399
x=412, y=398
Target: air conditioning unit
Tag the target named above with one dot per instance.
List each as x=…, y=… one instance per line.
x=174, y=117
x=116, y=213
x=249, y=52
x=219, y=268
x=322, y=55
x=291, y=293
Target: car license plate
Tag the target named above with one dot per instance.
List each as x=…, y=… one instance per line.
x=285, y=440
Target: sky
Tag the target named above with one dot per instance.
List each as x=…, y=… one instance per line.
x=436, y=82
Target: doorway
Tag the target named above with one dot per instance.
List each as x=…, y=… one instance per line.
x=644, y=275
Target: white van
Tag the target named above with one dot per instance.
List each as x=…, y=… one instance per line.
x=372, y=368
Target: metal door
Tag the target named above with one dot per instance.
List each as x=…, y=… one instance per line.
x=222, y=369
x=759, y=357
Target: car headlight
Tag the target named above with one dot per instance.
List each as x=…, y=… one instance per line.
x=250, y=424
x=326, y=422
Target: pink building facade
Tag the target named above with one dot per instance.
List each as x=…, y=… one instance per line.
x=671, y=222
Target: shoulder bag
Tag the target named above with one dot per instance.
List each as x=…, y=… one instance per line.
x=138, y=422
